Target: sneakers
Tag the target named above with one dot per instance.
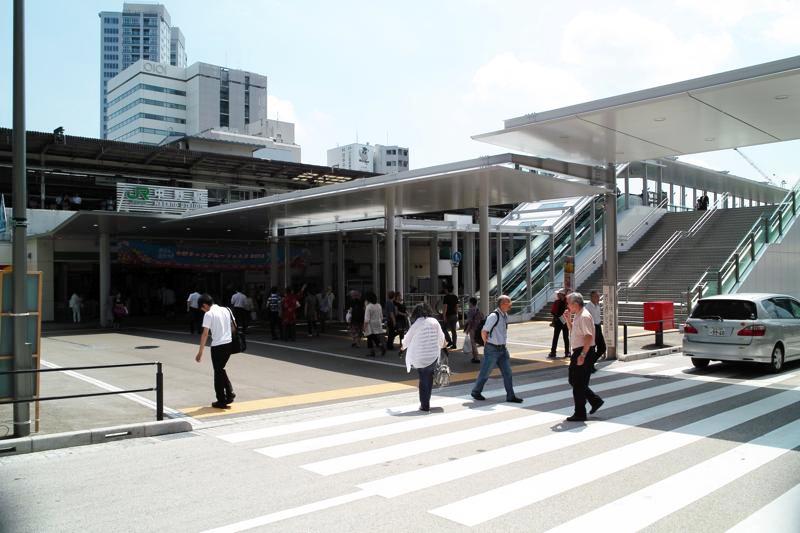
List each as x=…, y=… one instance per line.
x=478, y=396
x=596, y=406
x=220, y=405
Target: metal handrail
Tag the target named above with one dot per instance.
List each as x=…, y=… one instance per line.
x=655, y=259
x=159, y=388
x=700, y=222
x=643, y=222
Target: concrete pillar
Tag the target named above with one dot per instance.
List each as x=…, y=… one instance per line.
x=400, y=270
x=610, y=283
x=327, y=267
x=453, y=249
x=498, y=260
x=390, y=241
x=469, y=263
x=434, y=260
x=376, y=264
x=483, y=246
x=274, y=262
x=341, y=297
x=529, y=264
x=105, y=277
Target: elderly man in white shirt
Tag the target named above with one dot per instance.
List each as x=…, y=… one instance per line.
x=423, y=344
x=581, y=338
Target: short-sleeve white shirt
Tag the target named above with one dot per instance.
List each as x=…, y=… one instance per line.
x=218, y=321
x=239, y=300
x=192, y=299
x=582, y=325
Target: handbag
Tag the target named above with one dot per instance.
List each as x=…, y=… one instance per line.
x=441, y=375
x=238, y=340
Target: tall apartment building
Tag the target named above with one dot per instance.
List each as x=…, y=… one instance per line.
x=370, y=158
x=138, y=32
x=149, y=102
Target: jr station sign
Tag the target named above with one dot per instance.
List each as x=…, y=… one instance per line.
x=137, y=198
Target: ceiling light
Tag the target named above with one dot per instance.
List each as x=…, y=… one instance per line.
x=782, y=97
x=188, y=229
x=94, y=225
x=660, y=119
x=144, y=227
x=229, y=229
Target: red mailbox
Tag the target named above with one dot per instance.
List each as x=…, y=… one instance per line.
x=657, y=312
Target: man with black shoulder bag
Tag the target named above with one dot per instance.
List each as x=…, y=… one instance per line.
x=220, y=323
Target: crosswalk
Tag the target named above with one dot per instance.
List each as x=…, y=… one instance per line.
x=668, y=440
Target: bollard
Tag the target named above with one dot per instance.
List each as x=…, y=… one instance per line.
x=159, y=393
x=660, y=333
x=625, y=339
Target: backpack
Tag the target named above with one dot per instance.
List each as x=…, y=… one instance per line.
x=477, y=333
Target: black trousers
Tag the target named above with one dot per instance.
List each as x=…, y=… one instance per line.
x=275, y=324
x=426, y=385
x=599, y=341
x=195, y=320
x=391, y=334
x=450, y=327
x=242, y=316
x=579, y=380
x=560, y=328
x=222, y=385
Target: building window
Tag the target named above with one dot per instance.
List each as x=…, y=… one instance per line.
x=110, y=39
x=110, y=31
x=109, y=74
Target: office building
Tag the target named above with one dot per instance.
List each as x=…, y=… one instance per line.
x=376, y=158
x=390, y=159
x=138, y=32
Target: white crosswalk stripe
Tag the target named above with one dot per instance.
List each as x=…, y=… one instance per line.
x=717, y=402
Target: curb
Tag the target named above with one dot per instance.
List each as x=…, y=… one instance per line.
x=39, y=443
x=635, y=356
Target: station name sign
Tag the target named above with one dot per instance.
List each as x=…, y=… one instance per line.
x=134, y=198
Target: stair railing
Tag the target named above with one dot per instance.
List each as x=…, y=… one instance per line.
x=700, y=222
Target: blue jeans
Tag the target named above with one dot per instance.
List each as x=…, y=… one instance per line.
x=495, y=355
x=426, y=385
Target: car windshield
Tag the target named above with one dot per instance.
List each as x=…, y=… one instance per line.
x=725, y=310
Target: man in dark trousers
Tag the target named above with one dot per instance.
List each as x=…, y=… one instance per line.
x=599, y=340
x=274, y=311
x=218, y=321
x=558, y=324
x=450, y=315
x=581, y=333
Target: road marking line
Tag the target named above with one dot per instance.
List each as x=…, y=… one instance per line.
x=141, y=400
x=650, y=504
x=507, y=498
x=341, y=394
x=346, y=463
x=290, y=513
x=321, y=423
x=431, y=476
x=778, y=515
x=631, y=368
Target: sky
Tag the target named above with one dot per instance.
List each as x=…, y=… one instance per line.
x=422, y=74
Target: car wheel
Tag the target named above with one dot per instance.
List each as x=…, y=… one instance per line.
x=700, y=363
x=777, y=359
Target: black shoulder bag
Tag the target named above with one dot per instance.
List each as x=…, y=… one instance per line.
x=238, y=340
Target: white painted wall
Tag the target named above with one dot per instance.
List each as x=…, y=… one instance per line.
x=776, y=270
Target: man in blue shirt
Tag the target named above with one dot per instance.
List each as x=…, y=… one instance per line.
x=494, y=335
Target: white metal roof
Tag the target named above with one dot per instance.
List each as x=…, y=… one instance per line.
x=748, y=106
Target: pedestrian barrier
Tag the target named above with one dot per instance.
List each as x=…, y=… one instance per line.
x=159, y=387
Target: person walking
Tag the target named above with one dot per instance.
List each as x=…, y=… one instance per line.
x=356, y=318
x=195, y=314
x=325, y=308
x=599, y=341
x=240, y=310
x=75, y=303
x=558, y=324
x=312, y=313
x=220, y=323
x=472, y=326
x=423, y=343
x=401, y=317
x=119, y=311
x=390, y=316
x=495, y=353
x=289, y=314
x=581, y=332
x=373, y=325
x=450, y=315
x=274, y=310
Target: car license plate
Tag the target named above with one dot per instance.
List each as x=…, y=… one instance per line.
x=716, y=332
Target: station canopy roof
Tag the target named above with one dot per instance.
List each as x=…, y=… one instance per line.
x=509, y=179
x=748, y=106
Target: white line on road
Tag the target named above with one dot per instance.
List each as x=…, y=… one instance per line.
x=507, y=498
x=779, y=515
x=290, y=513
x=644, y=507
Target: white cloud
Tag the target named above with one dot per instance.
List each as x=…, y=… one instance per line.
x=785, y=29
x=280, y=109
x=624, y=43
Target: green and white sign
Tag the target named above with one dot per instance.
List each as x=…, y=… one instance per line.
x=156, y=199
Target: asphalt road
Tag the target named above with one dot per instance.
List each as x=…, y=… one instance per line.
x=673, y=449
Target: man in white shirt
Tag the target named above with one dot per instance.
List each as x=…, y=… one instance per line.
x=217, y=320
x=240, y=310
x=195, y=314
x=581, y=338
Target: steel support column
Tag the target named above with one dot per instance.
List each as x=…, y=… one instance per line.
x=529, y=266
x=453, y=249
x=469, y=264
x=498, y=260
x=274, y=260
x=390, y=241
x=434, y=260
x=610, y=282
x=659, y=185
x=400, y=270
x=483, y=246
x=326, y=262
x=376, y=264
x=104, y=258
x=341, y=298
x=645, y=195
